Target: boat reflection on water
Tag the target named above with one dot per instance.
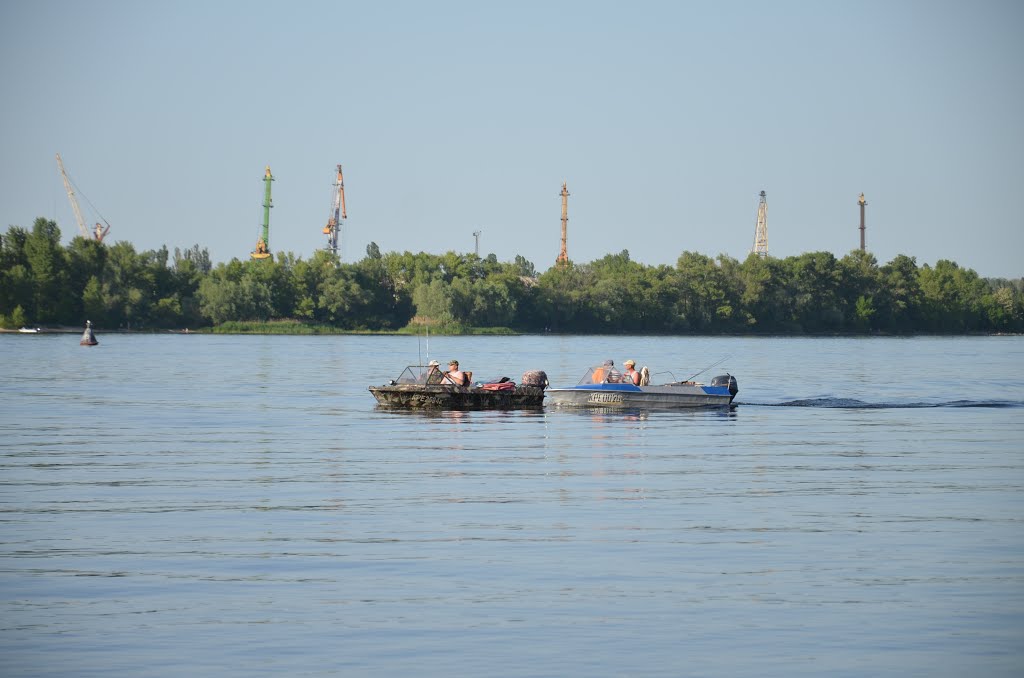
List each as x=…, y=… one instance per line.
x=609, y=414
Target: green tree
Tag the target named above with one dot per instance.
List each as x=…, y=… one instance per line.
x=96, y=301
x=859, y=279
x=704, y=302
x=815, y=285
x=899, y=296
x=189, y=267
x=562, y=300
x=952, y=297
x=1005, y=306
x=17, y=288
x=17, y=318
x=130, y=282
x=766, y=297
x=434, y=303
x=524, y=267
x=47, y=268
x=389, y=305
x=216, y=296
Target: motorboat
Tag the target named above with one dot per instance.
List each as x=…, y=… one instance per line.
x=426, y=387
x=603, y=387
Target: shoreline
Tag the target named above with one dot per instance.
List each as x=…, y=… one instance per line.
x=510, y=333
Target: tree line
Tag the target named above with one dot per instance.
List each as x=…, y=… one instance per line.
x=46, y=284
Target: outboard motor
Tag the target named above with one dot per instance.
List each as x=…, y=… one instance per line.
x=537, y=378
x=727, y=380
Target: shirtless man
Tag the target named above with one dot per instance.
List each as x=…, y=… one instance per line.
x=454, y=375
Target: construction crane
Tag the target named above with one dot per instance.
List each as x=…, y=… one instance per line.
x=99, y=232
x=761, y=230
x=263, y=243
x=333, y=228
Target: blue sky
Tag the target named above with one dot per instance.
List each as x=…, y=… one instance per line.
x=665, y=118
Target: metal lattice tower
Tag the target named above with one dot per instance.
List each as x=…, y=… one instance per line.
x=862, y=202
x=563, y=255
x=761, y=232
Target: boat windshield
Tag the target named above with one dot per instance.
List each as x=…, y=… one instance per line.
x=601, y=375
x=420, y=374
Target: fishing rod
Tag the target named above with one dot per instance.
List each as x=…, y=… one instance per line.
x=419, y=354
x=714, y=364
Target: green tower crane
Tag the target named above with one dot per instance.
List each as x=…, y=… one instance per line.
x=263, y=244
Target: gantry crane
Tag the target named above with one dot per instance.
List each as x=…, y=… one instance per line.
x=99, y=232
x=333, y=228
x=262, y=250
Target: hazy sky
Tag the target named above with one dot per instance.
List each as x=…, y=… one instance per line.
x=665, y=118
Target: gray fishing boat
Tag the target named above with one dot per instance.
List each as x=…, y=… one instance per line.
x=424, y=387
x=602, y=387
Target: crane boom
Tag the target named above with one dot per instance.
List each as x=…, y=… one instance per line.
x=341, y=191
x=333, y=228
x=71, y=196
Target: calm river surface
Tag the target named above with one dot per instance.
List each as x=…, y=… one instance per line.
x=203, y=505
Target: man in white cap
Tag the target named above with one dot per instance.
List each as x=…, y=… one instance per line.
x=631, y=376
x=433, y=373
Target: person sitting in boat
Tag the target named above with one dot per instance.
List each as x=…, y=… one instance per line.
x=630, y=375
x=432, y=375
x=455, y=376
x=606, y=373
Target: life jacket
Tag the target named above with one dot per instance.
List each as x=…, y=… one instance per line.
x=504, y=386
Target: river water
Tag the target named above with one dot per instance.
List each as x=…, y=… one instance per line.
x=207, y=505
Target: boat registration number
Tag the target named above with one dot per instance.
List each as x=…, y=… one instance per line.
x=605, y=398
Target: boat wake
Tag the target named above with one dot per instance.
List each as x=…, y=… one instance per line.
x=854, y=404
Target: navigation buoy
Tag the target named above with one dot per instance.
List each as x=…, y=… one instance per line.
x=88, y=338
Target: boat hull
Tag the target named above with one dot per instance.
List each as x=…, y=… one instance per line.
x=420, y=397
x=641, y=397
